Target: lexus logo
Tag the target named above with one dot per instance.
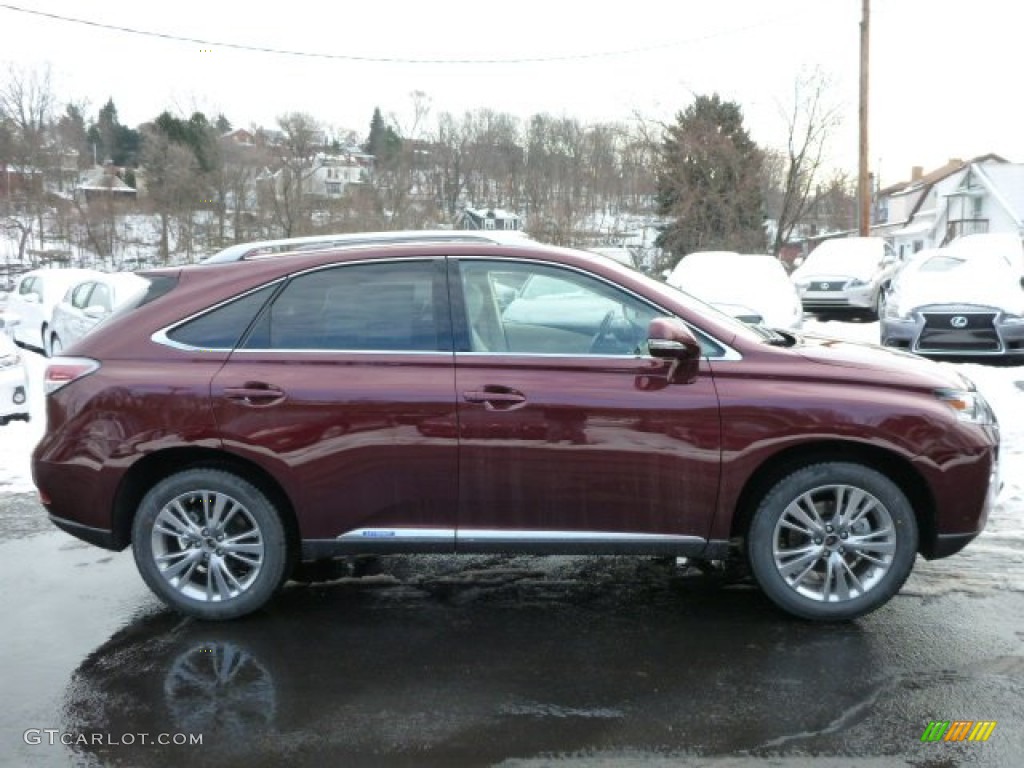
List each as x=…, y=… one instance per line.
x=824, y=286
x=958, y=321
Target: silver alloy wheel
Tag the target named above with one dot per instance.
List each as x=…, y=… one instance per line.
x=834, y=543
x=207, y=546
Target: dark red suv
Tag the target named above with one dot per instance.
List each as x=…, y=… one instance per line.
x=251, y=416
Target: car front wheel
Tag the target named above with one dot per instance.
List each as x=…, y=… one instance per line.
x=209, y=544
x=832, y=541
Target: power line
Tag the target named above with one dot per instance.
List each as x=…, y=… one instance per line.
x=390, y=59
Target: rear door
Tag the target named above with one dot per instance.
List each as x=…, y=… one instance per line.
x=344, y=388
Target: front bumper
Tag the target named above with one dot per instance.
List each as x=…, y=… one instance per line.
x=14, y=393
x=954, y=330
x=862, y=297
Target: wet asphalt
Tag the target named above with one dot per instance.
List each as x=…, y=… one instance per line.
x=441, y=661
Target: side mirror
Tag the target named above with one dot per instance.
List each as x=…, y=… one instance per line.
x=95, y=312
x=668, y=338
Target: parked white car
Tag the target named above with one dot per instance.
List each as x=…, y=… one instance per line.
x=13, y=383
x=964, y=299
x=89, y=302
x=850, y=273
x=30, y=305
x=751, y=287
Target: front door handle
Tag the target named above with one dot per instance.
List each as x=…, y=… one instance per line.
x=255, y=393
x=496, y=398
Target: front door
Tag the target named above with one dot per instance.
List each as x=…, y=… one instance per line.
x=570, y=434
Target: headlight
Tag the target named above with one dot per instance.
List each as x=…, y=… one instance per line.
x=968, y=406
x=857, y=283
x=891, y=310
x=6, y=361
x=1010, y=319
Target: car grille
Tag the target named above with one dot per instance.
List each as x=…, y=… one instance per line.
x=976, y=332
x=827, y=285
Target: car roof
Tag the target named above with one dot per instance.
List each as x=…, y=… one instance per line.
x=267, y=248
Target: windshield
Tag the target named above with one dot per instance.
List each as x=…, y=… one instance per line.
x=838, y=256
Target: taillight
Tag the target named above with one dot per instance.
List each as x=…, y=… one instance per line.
x=63, y=370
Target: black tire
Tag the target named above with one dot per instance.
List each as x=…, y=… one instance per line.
x=179, y=555
x=827, y=569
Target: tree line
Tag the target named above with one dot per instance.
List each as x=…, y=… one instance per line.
x=701, y=178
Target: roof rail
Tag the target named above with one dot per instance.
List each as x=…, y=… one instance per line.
x=265, y=248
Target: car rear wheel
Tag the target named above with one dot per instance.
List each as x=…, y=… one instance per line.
x=832, y=541
x=209, y=544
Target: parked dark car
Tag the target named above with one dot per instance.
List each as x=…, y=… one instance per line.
x=244, y=418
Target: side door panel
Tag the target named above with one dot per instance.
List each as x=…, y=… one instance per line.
x=594, y=447
x=346, y=386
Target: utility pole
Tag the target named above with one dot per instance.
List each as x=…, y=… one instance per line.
x=863, y=177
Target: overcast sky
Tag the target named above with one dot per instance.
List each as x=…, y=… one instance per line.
x=945, y=74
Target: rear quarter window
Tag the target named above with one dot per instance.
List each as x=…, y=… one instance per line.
x=223, y=326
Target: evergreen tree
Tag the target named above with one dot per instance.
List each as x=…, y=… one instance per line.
x=709, y=182
x=222, y=124
x=114, y=142
x=383, y=142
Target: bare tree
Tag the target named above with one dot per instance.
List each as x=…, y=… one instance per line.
x=295, y=159
x=811, y=121
x=27, y=106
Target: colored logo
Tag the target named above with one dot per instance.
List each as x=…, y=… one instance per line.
x=958, y=730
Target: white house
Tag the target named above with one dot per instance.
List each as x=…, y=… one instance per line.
x=981, y=195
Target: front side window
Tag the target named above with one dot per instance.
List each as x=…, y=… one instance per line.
x=538, y=309
x=359, y=307
x=100, y=296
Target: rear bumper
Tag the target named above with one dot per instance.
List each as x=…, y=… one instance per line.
x=96, y=536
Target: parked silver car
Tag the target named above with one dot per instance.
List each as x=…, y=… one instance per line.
x=964, y=299
x=89, y=302
x=847, y=274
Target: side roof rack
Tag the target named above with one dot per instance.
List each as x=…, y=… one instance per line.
x=266, y=248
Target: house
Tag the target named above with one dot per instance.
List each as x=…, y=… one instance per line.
x=240, y=136
x=331, y=174
x=931, y=209
x=103, y=183
x=19, y=180
x=489, y=218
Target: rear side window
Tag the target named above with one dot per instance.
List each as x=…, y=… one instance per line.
x=388, y=307
x=222, y=327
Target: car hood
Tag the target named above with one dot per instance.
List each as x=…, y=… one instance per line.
x=880, y=363
x=1000, y=289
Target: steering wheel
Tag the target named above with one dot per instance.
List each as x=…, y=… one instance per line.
x=602, y=331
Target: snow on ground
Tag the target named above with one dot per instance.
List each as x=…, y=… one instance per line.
x=996, y=558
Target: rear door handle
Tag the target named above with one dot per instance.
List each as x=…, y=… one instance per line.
x=255, y=393
x=496, y=399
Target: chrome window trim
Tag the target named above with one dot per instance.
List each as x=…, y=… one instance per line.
x=729, y=355
x=160, y=336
